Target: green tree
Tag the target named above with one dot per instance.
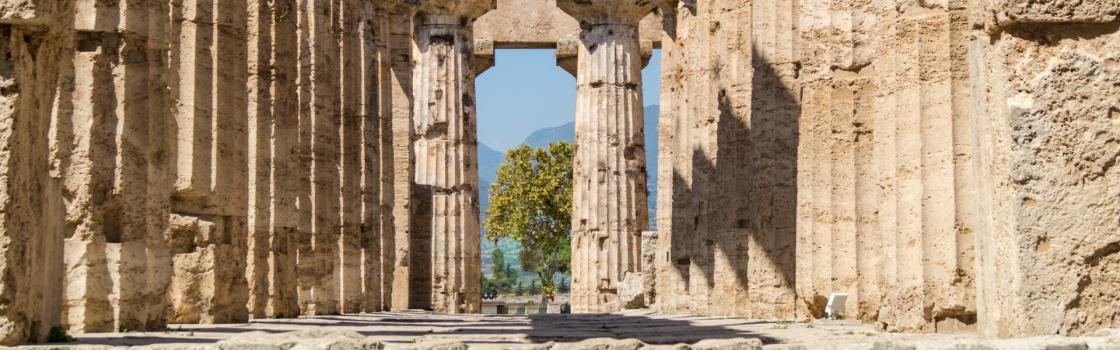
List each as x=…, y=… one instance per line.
x=534, y=288
x=498, y=259
x=512, y=274
x=502, y=275
x=531, y=202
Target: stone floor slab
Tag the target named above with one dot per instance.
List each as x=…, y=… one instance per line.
x=422, y=330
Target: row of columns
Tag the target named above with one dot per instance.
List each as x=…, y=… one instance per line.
x=259, y=202
x=189, y=162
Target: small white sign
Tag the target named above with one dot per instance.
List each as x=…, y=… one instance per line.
x=835, y=308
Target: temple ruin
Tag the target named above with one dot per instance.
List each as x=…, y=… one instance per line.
x=949, y=164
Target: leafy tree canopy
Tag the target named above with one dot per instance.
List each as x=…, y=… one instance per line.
x=531, y=202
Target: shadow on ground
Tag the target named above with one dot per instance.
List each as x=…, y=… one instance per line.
x=471, y=329
x=650, y=329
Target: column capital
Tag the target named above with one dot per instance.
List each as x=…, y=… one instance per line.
x=452, y=11
x=608, y=11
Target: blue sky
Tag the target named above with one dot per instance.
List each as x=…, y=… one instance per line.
x=526, y=91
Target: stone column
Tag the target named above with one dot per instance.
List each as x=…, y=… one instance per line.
x=32, y=206
x=609, y=200
x=445, y=187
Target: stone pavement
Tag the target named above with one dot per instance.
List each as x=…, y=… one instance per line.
x=421, y=330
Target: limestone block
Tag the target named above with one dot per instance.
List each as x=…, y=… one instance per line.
x=1008, y=12
x=540, y=24
x=601, y=344
x=1046, y=106
x=607, y=11
x=630, y=293
x=209, y=283
x=437, y=345
x=728, y=344
x=32, y=206
x=307, y=339
x=15, y=10
x=471, y=9
x=649, y=266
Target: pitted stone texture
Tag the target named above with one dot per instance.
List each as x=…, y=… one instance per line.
x=630, y=292
x=1047, y=201
x=884, y=176
x=301, y=340
x=726, y=224
x=602, y=344
x=15, y=10
x=1011, y=12
x=540, y=24
x=457, y=10
x=649, y=266
x=445, y=233
x=607, y=11
x=116, y=162
x=32, y=203
x=609, y=200
x=728, y=344
x=397, y=107
x=208, y=284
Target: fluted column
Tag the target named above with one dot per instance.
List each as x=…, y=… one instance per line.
x=609, y=201
x=445, y=188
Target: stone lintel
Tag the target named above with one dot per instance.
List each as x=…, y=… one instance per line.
x=539, y=24
x=452, y=11
x=607, y=12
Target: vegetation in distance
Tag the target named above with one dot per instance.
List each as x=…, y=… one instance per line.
x=531, y=202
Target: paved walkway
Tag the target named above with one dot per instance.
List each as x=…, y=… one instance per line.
x=398, y=329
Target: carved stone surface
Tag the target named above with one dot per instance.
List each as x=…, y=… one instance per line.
x=446, y=272
x=193, y=162
x=540, y=24
x=609, y=201
x=1044, y=97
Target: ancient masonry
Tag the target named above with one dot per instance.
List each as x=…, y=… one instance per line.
x=949, y=164
x=445, y=190
x=609, y=197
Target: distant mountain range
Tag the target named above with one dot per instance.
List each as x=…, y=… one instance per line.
x=489, y=160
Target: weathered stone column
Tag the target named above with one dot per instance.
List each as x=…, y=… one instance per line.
x=609, y=200
x=445, y=187
x=32, y=206
x=397, y=108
